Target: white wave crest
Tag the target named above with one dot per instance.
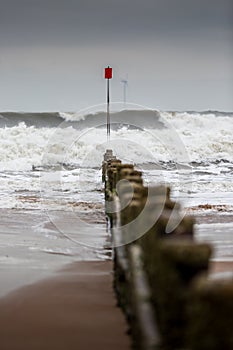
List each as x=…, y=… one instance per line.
x=72, y=116
x=203, y=137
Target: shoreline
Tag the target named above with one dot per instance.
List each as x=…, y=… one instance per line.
x=74, y=309
x=32, y=248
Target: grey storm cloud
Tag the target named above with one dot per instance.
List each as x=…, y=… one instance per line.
x=70, y=22
x=177, y=53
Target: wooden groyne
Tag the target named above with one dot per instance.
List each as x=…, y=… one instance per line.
x=160, y=273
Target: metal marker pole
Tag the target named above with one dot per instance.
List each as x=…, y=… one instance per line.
x=108, y=112
x=108, y=75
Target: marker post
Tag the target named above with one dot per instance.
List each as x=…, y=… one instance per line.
x=108, y=75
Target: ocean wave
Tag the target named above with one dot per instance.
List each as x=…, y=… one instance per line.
x=39, y=120
x=72, y=116
x=177, y=137
x=81, y=120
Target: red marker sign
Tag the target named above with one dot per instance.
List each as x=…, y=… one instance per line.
x=108, y=73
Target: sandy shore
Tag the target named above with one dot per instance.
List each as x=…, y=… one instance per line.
x=32, y=248
x=75, y=309
x=221, y=266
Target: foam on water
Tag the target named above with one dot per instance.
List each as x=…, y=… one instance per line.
x=56, y=167
x=68, y=158
x=72, y=116
x=185, y=137
x=205, y=136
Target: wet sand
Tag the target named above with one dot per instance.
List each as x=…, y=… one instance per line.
x=32, y=248
x=221, y=266
x=75, y=309
x=217, y=230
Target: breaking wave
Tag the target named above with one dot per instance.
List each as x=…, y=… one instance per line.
x=138, y=136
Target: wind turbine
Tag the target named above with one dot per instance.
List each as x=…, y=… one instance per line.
x=125, y=85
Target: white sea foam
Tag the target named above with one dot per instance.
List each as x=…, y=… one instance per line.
x=186, y=138
x=189, y=137
x=205, y=136
x=22, y=146
x=72, y=116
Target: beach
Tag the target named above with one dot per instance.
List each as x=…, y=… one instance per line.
x=55, y=247
x=74, y=309
x=56, y=293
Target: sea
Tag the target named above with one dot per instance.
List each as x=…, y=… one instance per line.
x=51, y=191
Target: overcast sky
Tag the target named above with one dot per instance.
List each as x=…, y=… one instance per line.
x=178, y=54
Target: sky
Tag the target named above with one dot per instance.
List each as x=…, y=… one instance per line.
x=177, y=54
